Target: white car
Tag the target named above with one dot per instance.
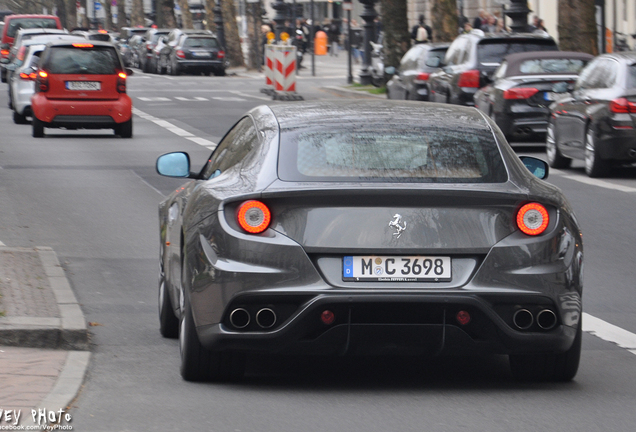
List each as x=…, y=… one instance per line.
x=22, y=73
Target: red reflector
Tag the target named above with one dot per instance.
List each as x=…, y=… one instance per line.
x=463, y=317
x=83, y=45
x=254, y=216
x=520, y=93
x=469, y=79
x=622, y=106
x=533, y=219
x=327, y=317
x=221, y=54
x=423, y=76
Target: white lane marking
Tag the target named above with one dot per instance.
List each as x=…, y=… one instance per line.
x=239, y=93
x=601, y=183
x=228, y=99
x=195, y=99
x=609, y=332
x=147, y=184
x=153, y=99
x=175, y=129
x=2, y=244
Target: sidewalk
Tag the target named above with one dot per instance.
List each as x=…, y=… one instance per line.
x=43, y=335
x=325, y=67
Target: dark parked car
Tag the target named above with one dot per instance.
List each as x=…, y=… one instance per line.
x=597, y=121
x=368, y=227
x=193, y=53
x=146, y=49
x=519, y=98
x=473, y=57
x=130, y=50
x=410, y=80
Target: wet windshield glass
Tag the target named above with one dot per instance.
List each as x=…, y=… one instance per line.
x=95, y=60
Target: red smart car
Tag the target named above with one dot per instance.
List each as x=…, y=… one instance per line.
x=81, y=85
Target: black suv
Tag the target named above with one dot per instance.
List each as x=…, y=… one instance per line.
x=198, y=53
x=473, y=57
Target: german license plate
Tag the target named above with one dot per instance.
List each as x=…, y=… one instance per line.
x=396, y=268
x=83, y=85
x=201, y=54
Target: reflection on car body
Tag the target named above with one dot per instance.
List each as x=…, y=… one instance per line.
x=286, y=242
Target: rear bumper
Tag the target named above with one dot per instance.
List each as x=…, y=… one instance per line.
x=618, y=145
x=421, y=324
x=201, y=64
x=521, y=122
x=22, y=97
x=82, y=113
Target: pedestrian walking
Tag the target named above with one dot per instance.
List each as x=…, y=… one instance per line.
x=421, y=33
x=333, y=34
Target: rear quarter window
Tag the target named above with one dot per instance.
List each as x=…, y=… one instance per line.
x=201, y=43
x=631, y=77
x=91, y=61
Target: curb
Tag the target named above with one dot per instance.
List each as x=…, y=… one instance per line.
x=67, y=332
x=355, y=94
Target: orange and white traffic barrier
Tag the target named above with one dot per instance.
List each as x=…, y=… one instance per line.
x=269, y=66
x=285, y=72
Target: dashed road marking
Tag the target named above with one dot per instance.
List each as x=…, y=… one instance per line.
x=175, y=129
x=609, y=332
x=153, y=99
x=194, y=99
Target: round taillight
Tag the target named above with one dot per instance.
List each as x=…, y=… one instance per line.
x=463, y=317
x=533, y=219
x=254, y=216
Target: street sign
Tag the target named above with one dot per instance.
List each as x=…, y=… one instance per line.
x=347, y=6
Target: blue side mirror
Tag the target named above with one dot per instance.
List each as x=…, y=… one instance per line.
x=536, y=166
x=174, y=164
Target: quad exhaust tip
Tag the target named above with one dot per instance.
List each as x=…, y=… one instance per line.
x=546, y=319
x=240, y=318
x=266, y=318
x=523, y=319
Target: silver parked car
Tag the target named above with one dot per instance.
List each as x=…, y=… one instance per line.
x=372, y=227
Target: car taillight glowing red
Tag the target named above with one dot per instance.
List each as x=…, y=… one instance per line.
x=422, y=76
x=83, y=45
x=469, y=79
x=121, y=82
x=42, y=82
x=28, y=77
x=254, y=216
x=180, y=54
x=221, y=54
x=520, y=93
x=622, y=106
x=4, y=53
x=533, y=219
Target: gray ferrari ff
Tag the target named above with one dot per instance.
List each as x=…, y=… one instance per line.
x=366, y=228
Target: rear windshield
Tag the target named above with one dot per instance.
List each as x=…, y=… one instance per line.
x=494, y=51
x=398, y=155
x=18, y=23
x=552, y=66
x=91, y=61
x=201, y=43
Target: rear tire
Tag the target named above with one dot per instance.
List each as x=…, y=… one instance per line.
x=174, y=69
x=199, y=364
x=38, y=127
x=549, y=367
x=219, y=72
x=554, y=156
x=594, y=165
x=125, y=130
x=19, y=118
x=168, y=322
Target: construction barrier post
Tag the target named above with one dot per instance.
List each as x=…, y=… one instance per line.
x=285, y=73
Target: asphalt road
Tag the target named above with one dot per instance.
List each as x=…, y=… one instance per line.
x=93, y=198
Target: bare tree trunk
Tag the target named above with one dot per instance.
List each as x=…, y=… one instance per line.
x=137, y=13
x=445, y=22
x=209, y=14
x=61, y=12
x=108, y=19
x=254, y=22
x=232, y=40
x=396, y=32
x=577, y=26
x=186, y=16
x=71, y=14
x=83, y=19
x=165, y=14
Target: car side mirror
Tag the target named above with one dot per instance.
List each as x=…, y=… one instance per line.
x=434, y=62
x=175, y=164
x=562, y=87
x=129, y=71
x=537, y=167
x=390, y=70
